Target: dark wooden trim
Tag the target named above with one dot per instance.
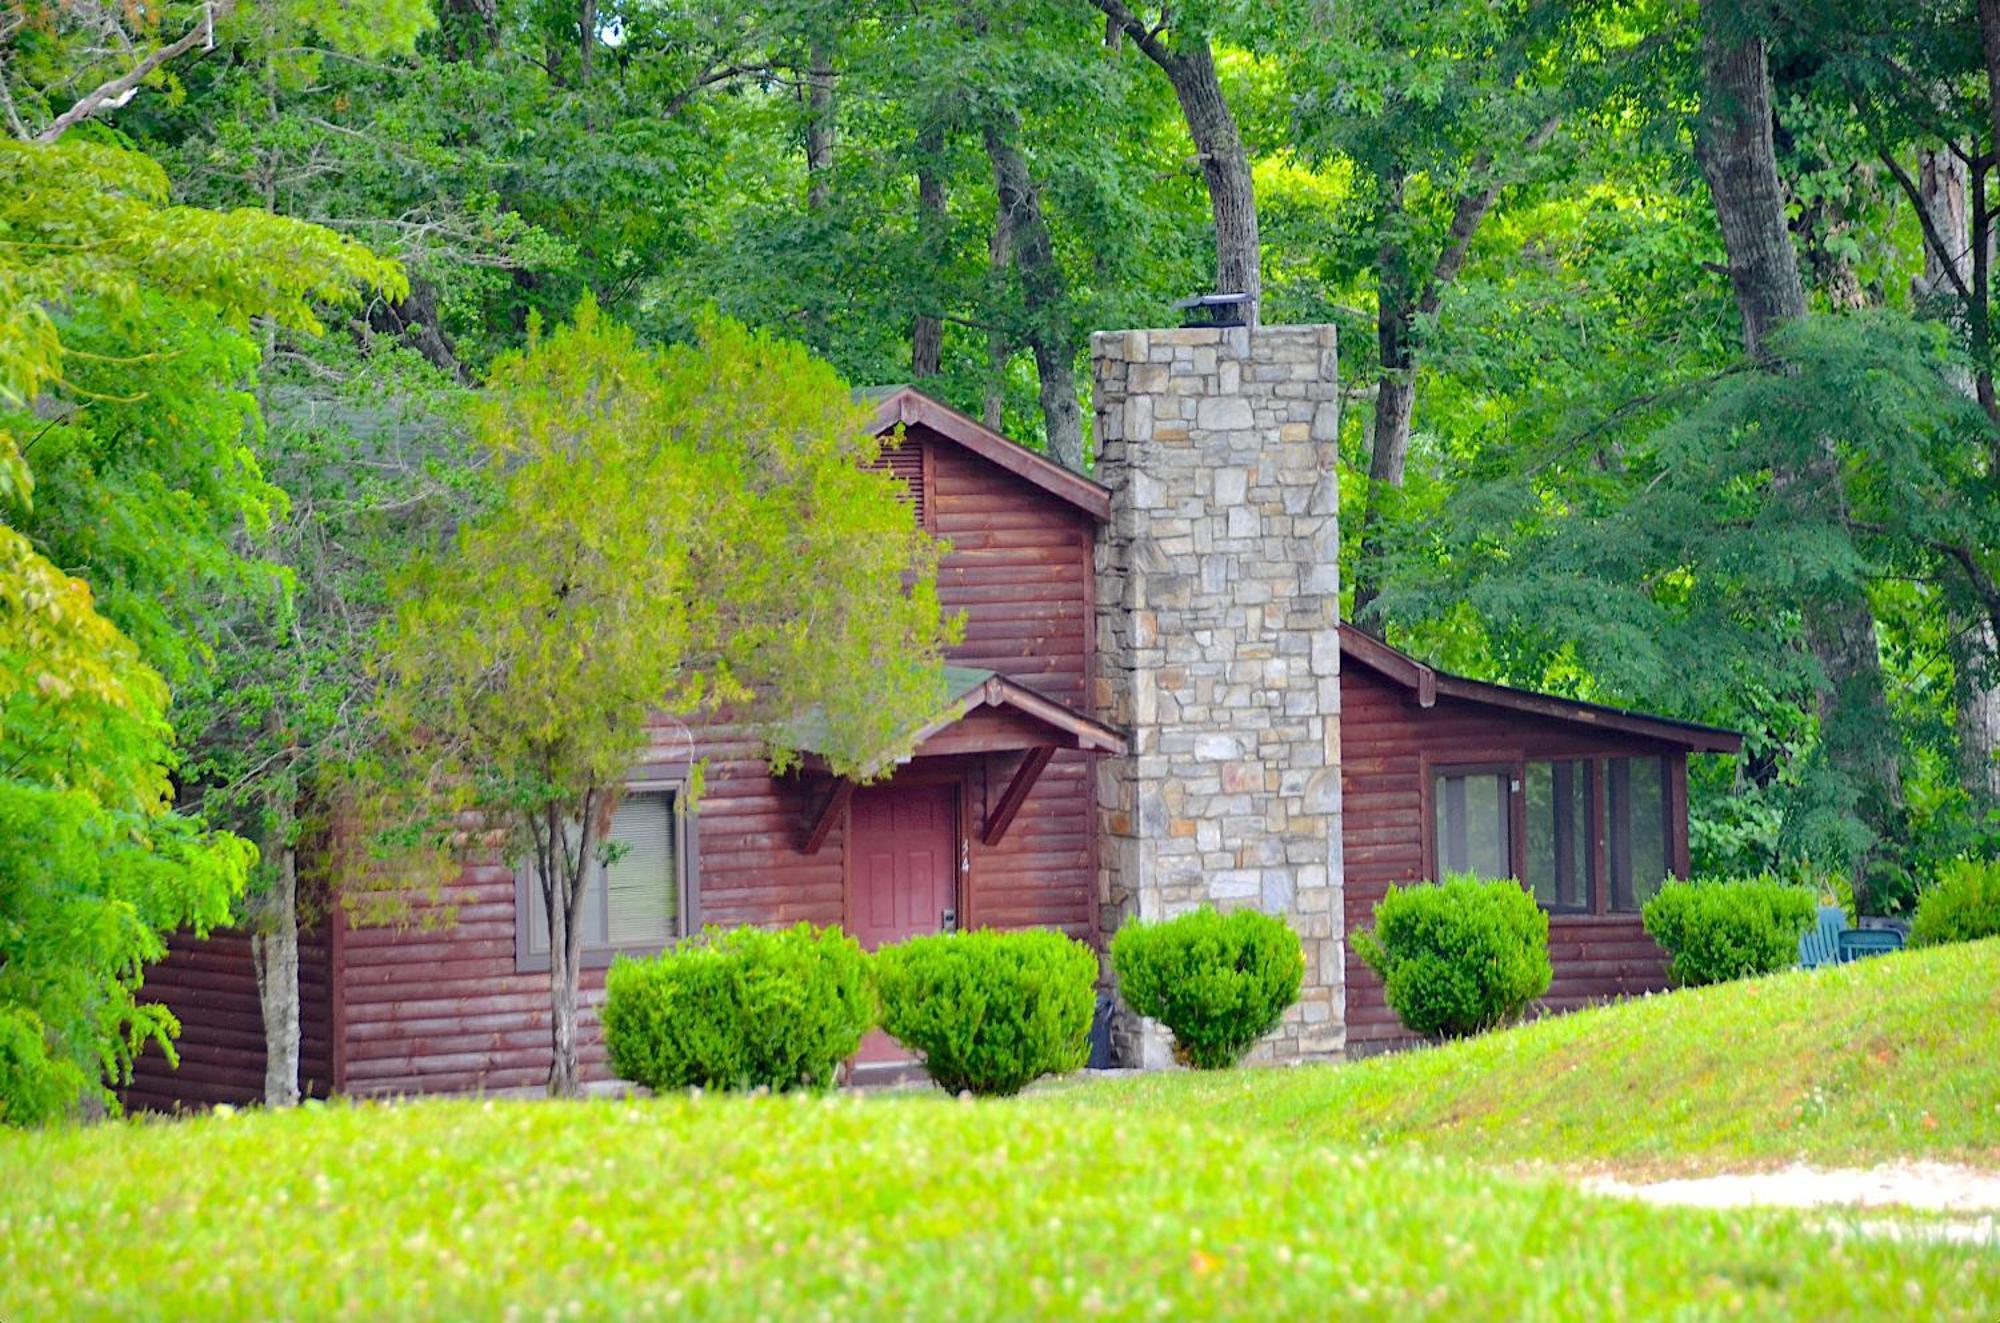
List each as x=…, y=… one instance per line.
x=1600, y=837
x=909, y=406
x=820, y=820
x=1428, y=683
x=336, y=959
x=1677, y=814
x=1003, y=812
x=528, y=893
x=929, y=480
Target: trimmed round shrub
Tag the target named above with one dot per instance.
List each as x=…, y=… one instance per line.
x=1963, y=905
x=1715, y=930
x=1218, y=982
x=990, y=1012
x=743, y=1009
x=1458, y=957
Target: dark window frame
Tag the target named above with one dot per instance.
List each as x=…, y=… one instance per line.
x=1593, y=874
x=1515, y=767
x=687, y=853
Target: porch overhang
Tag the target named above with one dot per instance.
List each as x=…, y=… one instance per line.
x=984, y=712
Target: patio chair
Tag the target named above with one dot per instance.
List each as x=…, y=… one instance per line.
x=1820, y=944
x=1860, y=943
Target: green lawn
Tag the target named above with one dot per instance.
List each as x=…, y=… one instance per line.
x=1883, y=1059
x=1254, y=1194
x=914, y=1206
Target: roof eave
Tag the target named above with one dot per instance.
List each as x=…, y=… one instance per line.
x=908, y=405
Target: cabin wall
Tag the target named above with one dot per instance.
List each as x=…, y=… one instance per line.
x=210, y=984
x=444, y=1009
x=1384, y=738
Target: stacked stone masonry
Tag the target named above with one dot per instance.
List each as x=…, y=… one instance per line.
x=1218, y=605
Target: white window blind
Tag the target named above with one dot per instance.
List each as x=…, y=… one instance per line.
x=636, y=901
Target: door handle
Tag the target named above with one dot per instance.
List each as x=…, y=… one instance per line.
x=948, y=921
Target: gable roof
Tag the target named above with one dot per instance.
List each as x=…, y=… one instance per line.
x=1428, y=683
x=910, y=406
x=968, y=689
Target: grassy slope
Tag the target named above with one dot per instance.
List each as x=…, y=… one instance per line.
x=1879, y=1060
x=914, y=1207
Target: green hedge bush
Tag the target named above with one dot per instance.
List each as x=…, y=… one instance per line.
x=1715, y=930
x=1218, y=982
x=1963, y=905
x=990, y=1012
x=741, y=1009
x=1458, y=957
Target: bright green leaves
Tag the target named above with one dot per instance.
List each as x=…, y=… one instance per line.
x=123, y=346
x=680, y=531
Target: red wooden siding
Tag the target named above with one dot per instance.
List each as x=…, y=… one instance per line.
x=211, y=986
x=1385, y=737
x=445, y=1010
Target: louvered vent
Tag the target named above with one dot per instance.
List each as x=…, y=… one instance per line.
x=907, y=462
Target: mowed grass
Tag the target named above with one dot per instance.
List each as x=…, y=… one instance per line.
x=1885, y=1059
x=1386, y=1189
x=914, y=1207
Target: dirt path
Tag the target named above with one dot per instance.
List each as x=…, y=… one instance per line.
x=1962, y=1194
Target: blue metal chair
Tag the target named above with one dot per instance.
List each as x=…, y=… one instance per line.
x=1820, y=944
x=1861, y=943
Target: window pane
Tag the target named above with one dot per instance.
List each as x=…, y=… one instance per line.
x=1637, y=803
x=1470, y=818
x=642, y=891
x=638, y=903
x=1558, y=844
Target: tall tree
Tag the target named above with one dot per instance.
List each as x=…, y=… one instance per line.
x=667, y=526
x=1186, y=58
x=1735, y=147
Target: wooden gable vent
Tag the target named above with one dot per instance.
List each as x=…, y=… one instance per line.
x=906, y=462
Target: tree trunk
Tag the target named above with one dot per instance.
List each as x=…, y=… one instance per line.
x=933, y=235
x=999, y=256
x=1943, y=192
x=274, y=951
x=1395, y=400
x=563, y=898
x=1738, y=157
x=1189, y=65
x=819, y=125
x=1740, y=161
x=586, y=51
x=1048, y=330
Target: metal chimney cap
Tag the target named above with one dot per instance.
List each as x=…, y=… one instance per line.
x=1212, y=309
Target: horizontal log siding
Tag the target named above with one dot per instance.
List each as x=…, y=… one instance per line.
x=445, y=1011
x=1020, y=569
x=211, y=987
x=1383, y=737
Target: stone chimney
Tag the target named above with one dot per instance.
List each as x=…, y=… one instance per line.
x=1218, y=600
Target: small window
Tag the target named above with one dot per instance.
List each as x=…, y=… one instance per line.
x=1559, y=854
x=1636, y=800
x=1471, y=816
x=633, y=905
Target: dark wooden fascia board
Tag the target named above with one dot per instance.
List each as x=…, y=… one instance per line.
x=911, y=406
x=1016, y=793
x=1090, y=736
x=1427, y=683
x=819, y=823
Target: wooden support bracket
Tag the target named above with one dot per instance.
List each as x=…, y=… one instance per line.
x=819, y=823
x=1016, y=794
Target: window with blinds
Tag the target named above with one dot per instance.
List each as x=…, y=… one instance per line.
x=634, y=902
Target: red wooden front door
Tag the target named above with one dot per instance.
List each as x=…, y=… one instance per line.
x=902, y=845
x=903, y=864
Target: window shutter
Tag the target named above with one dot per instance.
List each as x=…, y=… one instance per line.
x=642, y=890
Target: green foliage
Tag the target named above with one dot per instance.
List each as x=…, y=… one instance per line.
x=1715, y=930
x=990, y=1012
x=1218, y=982
x=743, y=1009
x=1458, y=957
x=123, y=325
x=1962, y=905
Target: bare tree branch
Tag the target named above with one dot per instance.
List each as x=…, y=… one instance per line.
x=117, y=91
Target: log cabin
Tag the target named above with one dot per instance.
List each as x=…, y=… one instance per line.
x=1153, y=705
